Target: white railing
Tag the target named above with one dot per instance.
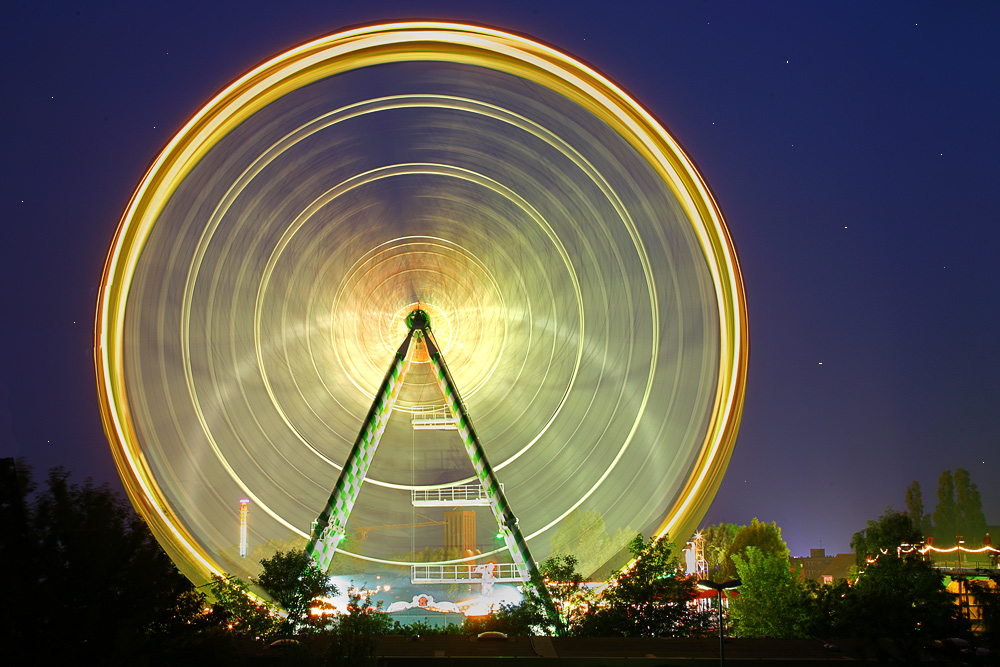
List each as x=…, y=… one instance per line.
x=454, y=496
x=438, y=417
x=448, y=574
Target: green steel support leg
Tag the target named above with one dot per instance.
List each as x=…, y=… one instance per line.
x=331, y=525
x=501, y=509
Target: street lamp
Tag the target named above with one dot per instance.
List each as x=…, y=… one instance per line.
x=705, y=584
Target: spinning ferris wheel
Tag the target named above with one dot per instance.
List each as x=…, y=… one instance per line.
x=556, y=244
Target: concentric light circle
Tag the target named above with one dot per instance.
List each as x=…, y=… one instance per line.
x=575, y=267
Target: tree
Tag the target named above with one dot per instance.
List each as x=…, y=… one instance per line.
x=987, y=594
x=558, y=576
x=900, y=598
x=971, y=522
x=294, y=581
x=530, y=617
x=764, y=536
x=897, y=596
x=17, y=548
x=825, y=603
x=98, y=580
x=718, y=540
x=771, y=602
x=356, y=633
x=563, y=581
x=915, y=508
x=649, y=599
x=239, y=611
x=584, y=536
x=883, y=535
x=945, y=519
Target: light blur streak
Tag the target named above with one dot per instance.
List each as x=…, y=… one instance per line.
x=586, y=286
x=244, y=506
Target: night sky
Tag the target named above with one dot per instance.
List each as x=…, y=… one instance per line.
x=853, y=149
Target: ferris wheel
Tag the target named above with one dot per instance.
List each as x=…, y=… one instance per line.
x=510, y=207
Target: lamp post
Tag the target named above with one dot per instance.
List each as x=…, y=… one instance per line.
x=705, y=584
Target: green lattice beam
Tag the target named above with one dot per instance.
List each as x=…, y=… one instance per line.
x=331, y=525
x=484, y=471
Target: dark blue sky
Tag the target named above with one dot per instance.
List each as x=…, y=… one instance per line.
x=852, y=148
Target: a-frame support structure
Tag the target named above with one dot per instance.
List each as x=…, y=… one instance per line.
x=331, y=525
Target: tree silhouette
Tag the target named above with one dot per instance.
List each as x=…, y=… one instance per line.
x=945, y=517
x=237, y=610
x=883, y=535
x=355, y=635
x=18, y=552
x=971, y=522
x=294, y=581
x=650, y=599
x=92, y=575
x=899, y=598
x=915, y=508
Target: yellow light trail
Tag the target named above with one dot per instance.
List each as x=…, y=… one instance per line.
x=579, y=262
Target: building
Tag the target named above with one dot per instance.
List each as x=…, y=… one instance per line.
x=841, y=567
x=811, y=567
x=460, y=531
